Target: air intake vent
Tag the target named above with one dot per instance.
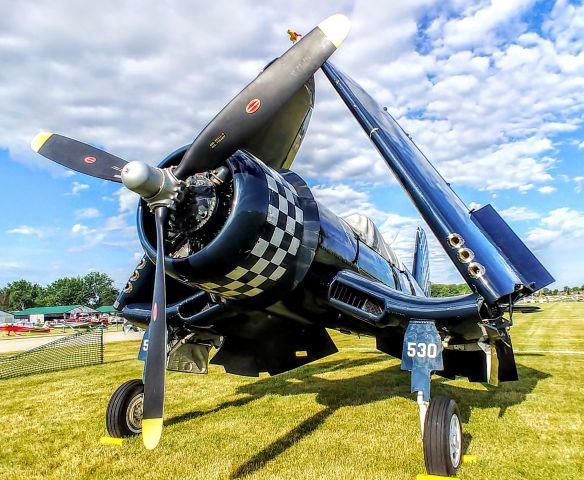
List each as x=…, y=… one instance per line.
x=356, y=298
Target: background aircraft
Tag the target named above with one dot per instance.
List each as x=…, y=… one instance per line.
x=240, y=256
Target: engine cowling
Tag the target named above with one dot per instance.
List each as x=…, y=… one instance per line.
x=259, y=235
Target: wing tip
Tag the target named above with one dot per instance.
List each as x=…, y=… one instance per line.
x=39, y=140
x=336, y=28
x=151, y=432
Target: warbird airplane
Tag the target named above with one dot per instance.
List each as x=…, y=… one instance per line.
x=240, y=256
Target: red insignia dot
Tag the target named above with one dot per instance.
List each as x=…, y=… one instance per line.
x=253, y=106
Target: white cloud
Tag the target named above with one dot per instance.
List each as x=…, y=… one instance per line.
x=128, y=200
x=562, y=224
x=464, y=104
x=344, y=200
x=39, y=232
x=478, y=27
x=581, y=145
x=546, y=189
x=564, y=25
x=557, y=242
x=88, y=238
x=519, y=213
x=518, y=157
x=77, y=187
x=78, y=228
x=114, y=232
x=87, y=213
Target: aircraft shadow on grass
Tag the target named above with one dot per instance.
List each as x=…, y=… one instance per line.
x=378, y=385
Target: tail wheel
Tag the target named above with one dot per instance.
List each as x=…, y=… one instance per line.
x=124, y=412
x=442, y=437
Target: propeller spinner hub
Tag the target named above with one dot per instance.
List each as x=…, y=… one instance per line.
x=158, y=186
x=141, y=178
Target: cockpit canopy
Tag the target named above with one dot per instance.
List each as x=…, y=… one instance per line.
x=370, y=235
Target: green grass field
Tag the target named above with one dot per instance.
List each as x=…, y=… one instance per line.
x=347, y=416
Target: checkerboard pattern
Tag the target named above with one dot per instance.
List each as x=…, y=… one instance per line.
x=275, y=249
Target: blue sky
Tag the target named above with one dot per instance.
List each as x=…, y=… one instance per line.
x=492, y=92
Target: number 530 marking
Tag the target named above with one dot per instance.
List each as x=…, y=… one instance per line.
x=422, y=350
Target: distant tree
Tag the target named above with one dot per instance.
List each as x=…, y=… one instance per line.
x=19, y=295
x=449, y=289
x=101, y=289
x=555, y=291
x=66, y=291
x=566, y=290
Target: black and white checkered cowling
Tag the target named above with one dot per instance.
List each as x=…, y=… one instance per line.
x=275, y=249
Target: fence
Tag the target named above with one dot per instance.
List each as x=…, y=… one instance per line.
x=77, y=350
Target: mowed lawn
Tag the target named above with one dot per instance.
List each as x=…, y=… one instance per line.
x=347, y=416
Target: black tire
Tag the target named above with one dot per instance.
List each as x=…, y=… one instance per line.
x=123, y=417
x=441, y=427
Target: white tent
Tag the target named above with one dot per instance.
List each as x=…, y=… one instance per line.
x=5, y=317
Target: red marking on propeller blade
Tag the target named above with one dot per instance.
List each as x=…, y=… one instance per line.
x=253, y=106
x=154, y=312
x=89, y=159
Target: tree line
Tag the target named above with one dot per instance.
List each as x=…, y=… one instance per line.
x=566, y=290
x=453, y=289
x=449, y=289
x=93, y=290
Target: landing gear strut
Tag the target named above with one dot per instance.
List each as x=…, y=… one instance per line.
x=439, y=418
x=124, y=412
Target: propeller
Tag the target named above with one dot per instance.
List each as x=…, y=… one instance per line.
x=161, y=188
x=78, y=156
x=155, y=368
x=251, y=108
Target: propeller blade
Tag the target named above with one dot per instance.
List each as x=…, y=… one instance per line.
x=78, y=156
x=263, y=97
x=155, y=367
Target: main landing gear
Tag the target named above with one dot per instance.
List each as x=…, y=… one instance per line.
x=124, y=412
x=442, y=435
x=439, y=418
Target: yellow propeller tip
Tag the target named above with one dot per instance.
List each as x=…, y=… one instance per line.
x=39, y=140
x=151, y=432
x=336, y=28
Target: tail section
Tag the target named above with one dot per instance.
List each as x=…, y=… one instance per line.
x=421, y=267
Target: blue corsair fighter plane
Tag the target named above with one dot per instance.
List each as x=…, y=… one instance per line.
x=239, y=256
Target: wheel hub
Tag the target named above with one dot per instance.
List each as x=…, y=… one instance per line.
x=134, y=413
x=455, y=440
